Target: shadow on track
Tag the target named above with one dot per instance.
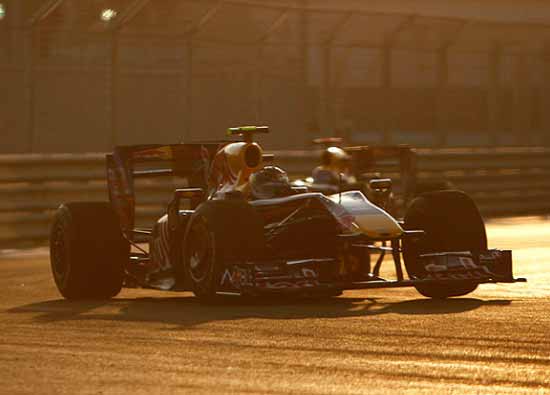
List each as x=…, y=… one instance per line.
x=187, y=311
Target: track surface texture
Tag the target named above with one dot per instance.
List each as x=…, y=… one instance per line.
x=494, y=341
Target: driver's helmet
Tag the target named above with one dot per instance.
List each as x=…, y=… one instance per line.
x=335, y=157
x=269, y=182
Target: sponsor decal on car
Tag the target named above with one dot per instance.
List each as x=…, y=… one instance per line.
x=454, y=266
x=301, y=278
x=235, y=278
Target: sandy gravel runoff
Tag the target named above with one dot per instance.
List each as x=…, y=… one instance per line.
x=494, y=341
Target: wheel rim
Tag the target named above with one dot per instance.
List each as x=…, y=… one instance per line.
x=199, y=252
x=59, y=259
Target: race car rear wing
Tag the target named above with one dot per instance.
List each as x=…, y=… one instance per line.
x=402, y=158
x=190, y=161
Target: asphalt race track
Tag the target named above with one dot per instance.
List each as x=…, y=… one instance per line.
x=494, y=341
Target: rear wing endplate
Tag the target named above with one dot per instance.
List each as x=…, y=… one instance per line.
x=190, y=161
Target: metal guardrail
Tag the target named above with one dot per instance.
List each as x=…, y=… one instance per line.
x=507, y=181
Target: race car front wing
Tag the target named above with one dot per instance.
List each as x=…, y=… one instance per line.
x=329, y=274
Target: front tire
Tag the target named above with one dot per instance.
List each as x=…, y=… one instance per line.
x=219, y=232
x=87, y=251
x=452, y=222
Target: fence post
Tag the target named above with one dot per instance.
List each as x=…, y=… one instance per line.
x=304, y=72
x=493, y=93
x=259, y=64
x=325, y=107
x=30, y=84
x=115, y=72
x=522, y=127
x=441, y=118
x=258, y=83
x=188, y=76
x=386, y=53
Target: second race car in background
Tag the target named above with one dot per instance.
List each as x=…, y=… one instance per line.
x=387, y=175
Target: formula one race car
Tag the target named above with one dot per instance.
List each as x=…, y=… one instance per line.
x=386, y=174
x=248, y=231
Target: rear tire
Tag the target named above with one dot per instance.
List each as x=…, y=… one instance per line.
x=452, y=222
x=219, y=232
x=87, y=251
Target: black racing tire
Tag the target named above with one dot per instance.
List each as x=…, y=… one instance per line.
x=87, y=251
x=452, y=222
x=219, y=232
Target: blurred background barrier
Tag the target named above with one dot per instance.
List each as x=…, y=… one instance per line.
x=85, y=75
x=503, y=181
x=81, y=76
